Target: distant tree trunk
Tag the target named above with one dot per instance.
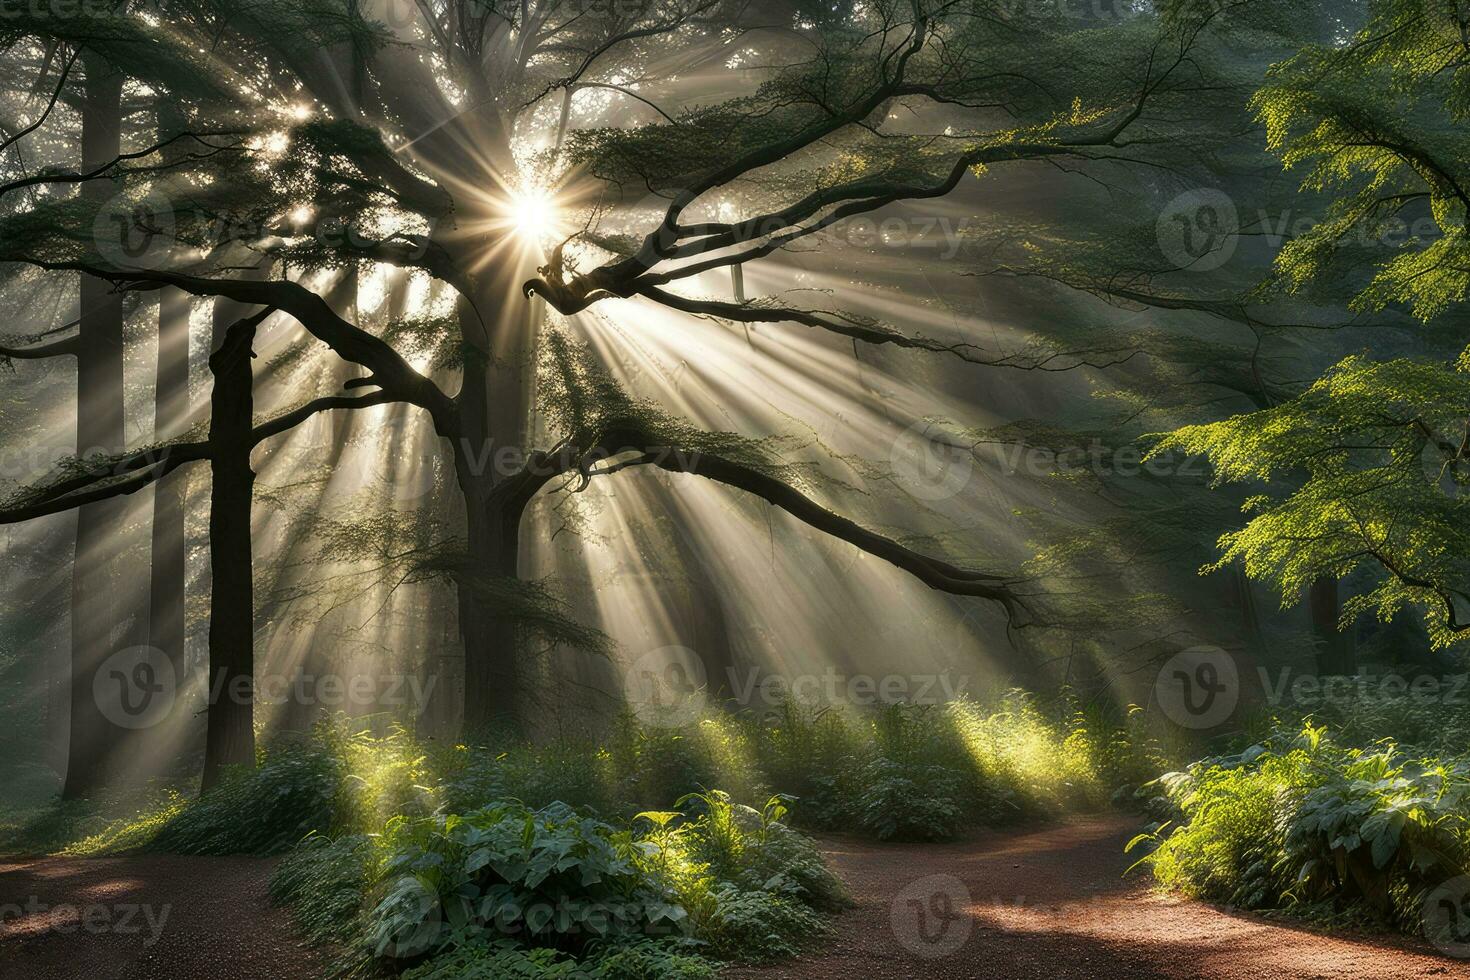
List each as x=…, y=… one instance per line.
x=230, y=733
x=168, y=570
x=1336, y=653
x=170, y=413
x=699, y=614
x=298, y=714
x=95, y=612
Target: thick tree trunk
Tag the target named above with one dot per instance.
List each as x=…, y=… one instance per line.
x=95, y=612
x=1336, y=651
x=495, y=403
x=230, y=737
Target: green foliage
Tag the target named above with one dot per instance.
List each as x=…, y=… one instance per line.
x=1305, y=825
x=909, y=802
x=1380, y=445
x=506, y=890
x=548, y=877
x=1377, y=124
x=323, y=883
x=503, y=961
x=925, y=772
x=264, y=810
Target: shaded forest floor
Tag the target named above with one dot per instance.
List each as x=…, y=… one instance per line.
x=150, y=916
x=1048, y=903
x=1053, y=903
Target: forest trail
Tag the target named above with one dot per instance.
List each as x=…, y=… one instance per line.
x=1053, y=903
x=145, y=917
x=1050, y=903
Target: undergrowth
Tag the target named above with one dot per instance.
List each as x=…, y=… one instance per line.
x=1343, y=826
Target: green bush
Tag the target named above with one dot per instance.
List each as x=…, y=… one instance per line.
x=544, y=877
x=504, y=961
x=1304, y=825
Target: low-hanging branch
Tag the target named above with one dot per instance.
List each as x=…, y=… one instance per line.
x=132, y=472
x=614, y=449
x=388, y=369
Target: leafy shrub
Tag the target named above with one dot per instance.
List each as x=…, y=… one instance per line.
x=909, y=802
x=1305, y=825
x=752, y=887
x=265, y=810
x=322, y=882
x=547, y=877
x=505, y=961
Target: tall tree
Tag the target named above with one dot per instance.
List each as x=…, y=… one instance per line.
x=96, y=615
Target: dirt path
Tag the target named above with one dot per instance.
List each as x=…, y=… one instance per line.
x=1046, y=904
x=1052, y=904
x=158, y=917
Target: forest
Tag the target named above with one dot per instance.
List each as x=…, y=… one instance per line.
x=640, y=489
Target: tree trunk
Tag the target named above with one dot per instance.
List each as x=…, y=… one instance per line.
x=95, y=611
x=1336, y=653
x=168, y=568
x=495, y=405
x=230, y=737
x=170, y=416
x=697, y=609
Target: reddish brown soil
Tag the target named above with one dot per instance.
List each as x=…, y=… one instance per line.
x=90, y=919
x=1054, y=904
x=1050, y=904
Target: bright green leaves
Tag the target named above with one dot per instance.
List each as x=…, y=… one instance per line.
x=1305, y=823
x=1377, y=469
x=1377, y=125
